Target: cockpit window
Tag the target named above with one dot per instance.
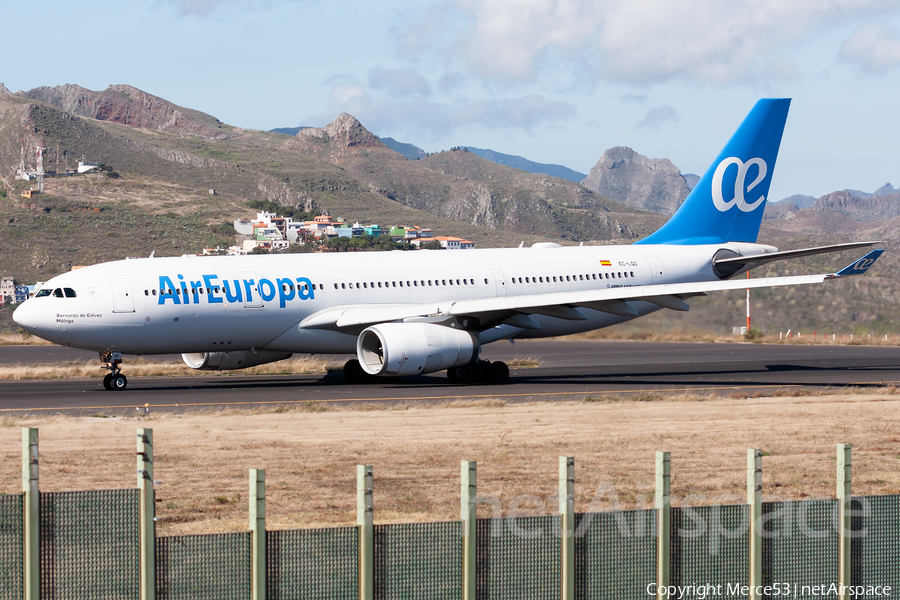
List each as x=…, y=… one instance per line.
x=70, y=293
x=58, y=293
x=43, y=293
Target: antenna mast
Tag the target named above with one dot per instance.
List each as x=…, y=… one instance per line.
x=40, y=166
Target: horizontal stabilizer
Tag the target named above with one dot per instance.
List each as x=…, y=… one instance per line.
x=861, y=266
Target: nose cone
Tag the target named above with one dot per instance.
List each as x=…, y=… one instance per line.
x=26, y=316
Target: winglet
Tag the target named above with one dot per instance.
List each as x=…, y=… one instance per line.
x=860, y=266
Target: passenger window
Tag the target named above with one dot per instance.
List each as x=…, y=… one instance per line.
x=146, y=293
x=154, y=292
x=632, y=273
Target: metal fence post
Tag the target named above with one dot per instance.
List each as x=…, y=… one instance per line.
x=365, y=520
x=754, y=500
x=663, y=522
x=567, y=525
x=468, y=515
x=31, y=504
x=845, y=498
x=147, y=525
x=258, y=533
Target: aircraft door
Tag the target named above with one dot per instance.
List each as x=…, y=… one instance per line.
x=499, y=281
x=657, y=272
x=252, y=299
x=123, y=302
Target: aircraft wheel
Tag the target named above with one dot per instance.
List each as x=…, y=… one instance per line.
x=353, y=372
x=498, y=372
x=467, y=373
x=453, y=374
x=107, y=381
x=119, y=382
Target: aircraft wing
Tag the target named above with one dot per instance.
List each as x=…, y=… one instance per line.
x=565, y=305
x=761, y=259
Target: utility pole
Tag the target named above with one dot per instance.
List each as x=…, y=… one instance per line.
x=748, y=305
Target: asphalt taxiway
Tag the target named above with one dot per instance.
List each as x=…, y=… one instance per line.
x=566, y=369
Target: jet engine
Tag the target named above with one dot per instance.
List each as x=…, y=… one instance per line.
x=225, y=361
x=397, y=349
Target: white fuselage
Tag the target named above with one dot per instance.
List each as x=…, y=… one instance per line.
x=218, y=304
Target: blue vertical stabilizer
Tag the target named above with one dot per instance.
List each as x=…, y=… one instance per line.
x=727, y=203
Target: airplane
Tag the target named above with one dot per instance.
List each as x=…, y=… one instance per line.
x=412, y=313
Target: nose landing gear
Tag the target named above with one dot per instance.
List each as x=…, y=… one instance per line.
x=114, y=380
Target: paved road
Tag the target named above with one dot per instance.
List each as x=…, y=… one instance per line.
x=568, y=370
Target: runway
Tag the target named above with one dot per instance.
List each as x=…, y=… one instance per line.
x=568, y=370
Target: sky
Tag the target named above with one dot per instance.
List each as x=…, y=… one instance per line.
x=555, y=81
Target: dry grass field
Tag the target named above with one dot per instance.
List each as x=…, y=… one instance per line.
x=310, y=453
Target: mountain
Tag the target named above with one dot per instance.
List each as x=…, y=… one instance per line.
x=163, y=161
x=288, y=130
x=408, y=150
x=130, y=106
x=462, y=186
x=691, y=180
x=885, y=190
x=517, y=162
x=871, y=209
x=798, y=200
x=637, y=181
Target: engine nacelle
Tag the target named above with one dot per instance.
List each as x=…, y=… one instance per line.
x=225, y=361
x=396, y=349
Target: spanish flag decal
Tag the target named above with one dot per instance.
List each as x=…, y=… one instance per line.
x=605, y=263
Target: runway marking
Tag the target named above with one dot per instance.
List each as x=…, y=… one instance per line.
x=455, y=397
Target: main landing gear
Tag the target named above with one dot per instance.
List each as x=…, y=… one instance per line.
x=114, y=380
x=482, y=371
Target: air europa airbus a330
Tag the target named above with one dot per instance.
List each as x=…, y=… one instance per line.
x=409, y=313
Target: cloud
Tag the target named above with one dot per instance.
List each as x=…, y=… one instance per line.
x=873, y=47
x=451, y=81
x=387, y=115
x=644, y=41
x=200, y=8
x=399, y=82
x=657, y=116
x=205, y=8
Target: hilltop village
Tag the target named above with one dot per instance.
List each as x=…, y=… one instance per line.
x=269, y=232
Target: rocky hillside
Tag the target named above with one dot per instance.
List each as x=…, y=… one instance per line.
x=870, y=208
x=653, y=184
x=462, y=186
x=188, y=173
x=130, y=106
